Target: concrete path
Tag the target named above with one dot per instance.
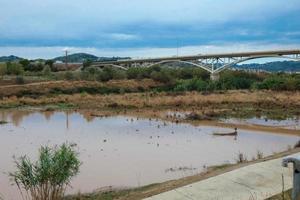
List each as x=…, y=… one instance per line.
x=254, y=182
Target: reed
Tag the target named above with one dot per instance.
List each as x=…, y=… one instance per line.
x=48, y=177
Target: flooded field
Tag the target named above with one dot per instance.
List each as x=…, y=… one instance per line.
x=122, y=151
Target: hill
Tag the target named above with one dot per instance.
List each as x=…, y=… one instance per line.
x=81, y=57
x=77, y=57
x=10, y=58
x=278, y=66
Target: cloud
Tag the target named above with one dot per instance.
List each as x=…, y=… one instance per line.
x=147, y=23
x=123, y=36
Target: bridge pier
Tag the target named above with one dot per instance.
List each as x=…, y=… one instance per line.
x=214, y=76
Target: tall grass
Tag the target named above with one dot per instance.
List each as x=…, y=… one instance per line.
x=241, y=158
x=48, y=177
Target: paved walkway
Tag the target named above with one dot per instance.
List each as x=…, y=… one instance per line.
x=254, y=182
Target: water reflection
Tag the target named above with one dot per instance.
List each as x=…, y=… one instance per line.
x=126, y=151
x=16, y=117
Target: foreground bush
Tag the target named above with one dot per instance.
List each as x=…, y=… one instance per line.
x=49, y=176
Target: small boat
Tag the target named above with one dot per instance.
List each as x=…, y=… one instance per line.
x=227, y=134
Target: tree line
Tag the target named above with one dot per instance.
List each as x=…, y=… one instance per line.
x=173, y=79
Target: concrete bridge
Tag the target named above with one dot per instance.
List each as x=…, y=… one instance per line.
x=213, y=63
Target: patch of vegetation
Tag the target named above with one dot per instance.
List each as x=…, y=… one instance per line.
x=297, y=145
x=49, y=176
x=111, y=194
x=287, y=195
x=241, y=158
x=3, y=122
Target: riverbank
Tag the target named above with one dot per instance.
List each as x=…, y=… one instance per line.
x=136, y=96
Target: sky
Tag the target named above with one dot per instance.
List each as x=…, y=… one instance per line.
x=146, y=28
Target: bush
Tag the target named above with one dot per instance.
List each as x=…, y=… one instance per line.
x=47, y=70
x=119, y=74
x=105, y=75
x=14, y=68
x=49, y=63
x=48, y=177
x=24, y=63
x=87, y=63
x=69, y=76
x=164, y=76
x=191, y=85
x=84, y=75
x=3, y=70
x=34, y=67
x=20, y=80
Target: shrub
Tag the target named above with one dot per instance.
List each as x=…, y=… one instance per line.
x=47, y=70
x=119, y=74
x=87, y=63
x=24, y=63
x=132, y=73
x=34, y=67
x=163, y=76
x=105, y=75
x=49, y=63
x=14, y=68
x=69, y=76
x=297, y=145
x=84, y=75
x=191, y=85
x=49, y=176
x=241, y=158
x=20, y=80
x=92, y=70
x=139, y=72
x=3, y=70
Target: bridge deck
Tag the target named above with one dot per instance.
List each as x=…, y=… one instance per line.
x=206, y=56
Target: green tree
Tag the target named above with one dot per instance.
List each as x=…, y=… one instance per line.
x=24, y=63
x=49, y=63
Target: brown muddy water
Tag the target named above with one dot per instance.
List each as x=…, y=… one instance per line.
x=122, y=151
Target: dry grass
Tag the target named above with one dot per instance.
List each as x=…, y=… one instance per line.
x=262, y=99
x=46, y=87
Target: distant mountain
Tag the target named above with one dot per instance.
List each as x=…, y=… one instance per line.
x=10, y=58
x=278, y=66
x=77, y=57
x=81, y=57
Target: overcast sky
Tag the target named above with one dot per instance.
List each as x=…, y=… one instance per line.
x=146, y=28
